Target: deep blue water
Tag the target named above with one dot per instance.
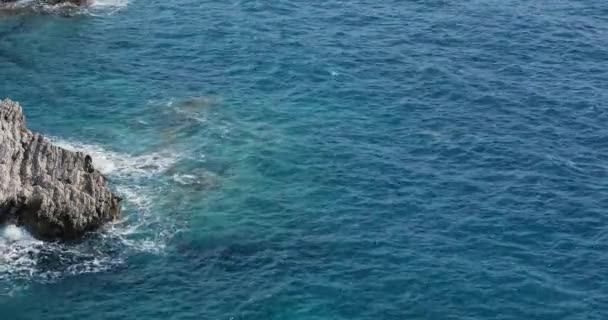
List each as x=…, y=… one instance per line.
x=323, y=159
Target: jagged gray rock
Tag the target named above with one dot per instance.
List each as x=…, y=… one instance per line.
x=52, y=192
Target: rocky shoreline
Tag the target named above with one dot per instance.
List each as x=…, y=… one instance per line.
x=54, y=193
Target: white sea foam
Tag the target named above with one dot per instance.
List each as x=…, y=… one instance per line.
x=24, y=257
x=185, y=179
x=17, y=251
x=112, y=4
x=206, y=180
x=121, y=164
x=104, y=7
x=12, y=233
x=136, y=196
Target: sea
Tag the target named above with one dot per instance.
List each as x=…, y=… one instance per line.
x=320, y=160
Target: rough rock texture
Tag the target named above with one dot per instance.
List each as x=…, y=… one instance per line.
x=53, y=192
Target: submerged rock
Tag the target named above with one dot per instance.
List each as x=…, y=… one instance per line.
x=52, y=192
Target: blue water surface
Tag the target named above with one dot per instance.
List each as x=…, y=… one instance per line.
x=323, y=159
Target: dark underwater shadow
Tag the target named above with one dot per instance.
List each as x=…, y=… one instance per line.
x=20, y=47
x=19, y=26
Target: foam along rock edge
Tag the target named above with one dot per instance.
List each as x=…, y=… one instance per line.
x=50, y=191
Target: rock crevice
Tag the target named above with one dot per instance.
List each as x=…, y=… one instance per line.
x=52, y=192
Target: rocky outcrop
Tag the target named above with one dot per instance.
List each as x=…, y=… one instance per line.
x=52, y=192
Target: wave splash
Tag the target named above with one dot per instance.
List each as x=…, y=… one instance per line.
x=140, y=178
x=109, y=3
x=122, y=165
x=22, y=257
x=106, y=6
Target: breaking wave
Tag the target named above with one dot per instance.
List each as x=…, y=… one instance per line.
x=113, y=4
x=22, y=257
x=106, y=6
x=120, y=164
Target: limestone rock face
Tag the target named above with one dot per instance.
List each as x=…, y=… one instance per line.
x=53, y=192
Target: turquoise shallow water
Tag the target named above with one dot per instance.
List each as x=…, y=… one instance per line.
x=322, y=160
